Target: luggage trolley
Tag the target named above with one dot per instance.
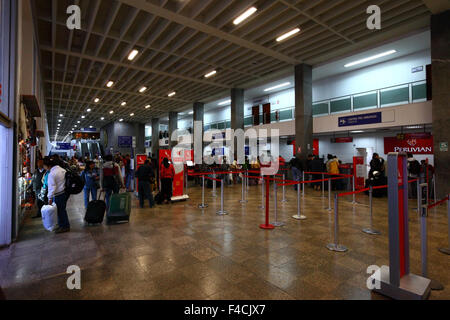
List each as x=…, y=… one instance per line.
x=396, y=281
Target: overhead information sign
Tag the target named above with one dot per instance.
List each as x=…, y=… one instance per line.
x=361, y=119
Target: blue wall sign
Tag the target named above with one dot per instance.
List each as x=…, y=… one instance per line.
x=63, y=146
x=125, y=141
x=361, y=119
x=89, y=129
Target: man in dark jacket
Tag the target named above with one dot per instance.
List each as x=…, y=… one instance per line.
x=145, y=174
x=37, y=186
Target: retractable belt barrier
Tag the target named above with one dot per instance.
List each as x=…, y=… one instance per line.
x=434, y=205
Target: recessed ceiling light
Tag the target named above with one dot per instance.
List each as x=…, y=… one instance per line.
x=59, y=120
x=133, y=55
x=224, y=102
x=143, y=89
x=414, y=127
x=75, y=125
x=210, y=74
x=131, y=114
x=96, y=100
x=288, y=34
x=120, y=120
x=377, y=56
x=88, y=110
x=277, y=86
x=61, y=115
x=111, y=112
x=110, y=84
x=192, y=112
x=82, y=117
x=91, y=127
x=172, y=94
x=148, y=106
x=102, y=118
x=245, y=15
x=78, y=121
x=123, y=104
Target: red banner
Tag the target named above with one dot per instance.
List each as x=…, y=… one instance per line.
x=178, y=180
x=413, y=143
x=342, y=140
x=359, y=172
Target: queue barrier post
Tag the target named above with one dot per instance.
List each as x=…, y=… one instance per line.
x=284, y=189
x=447, y=250
x=323, y=185
x=247, y=181
x=275, y=203
x=336, y=246
x=303, y=185
x=354, y=189
x=434, y=187
x=214, y=185
x=221, y=212
x=435, y=285
x=203, y=205
x=262, y=192
x=243, y=189
x=299, y=216
x=267, y=225
x=371, y=230
x=329, y=195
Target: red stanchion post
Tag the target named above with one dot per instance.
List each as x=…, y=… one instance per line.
x=267, y=225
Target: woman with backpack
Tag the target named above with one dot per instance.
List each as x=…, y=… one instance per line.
x=90, y=178
x=167, y=173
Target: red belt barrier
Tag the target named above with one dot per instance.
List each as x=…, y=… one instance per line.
x=330, y=174
x=214, y=179
x=431, y=206
x=352, y=192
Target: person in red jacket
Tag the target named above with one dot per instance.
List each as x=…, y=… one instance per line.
x=167, y=173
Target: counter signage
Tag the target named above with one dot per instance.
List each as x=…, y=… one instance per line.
x=413, y=143
x=361, y=119
x=64, y=146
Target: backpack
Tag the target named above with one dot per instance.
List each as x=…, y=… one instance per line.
x=74, y=183
x=414, y=167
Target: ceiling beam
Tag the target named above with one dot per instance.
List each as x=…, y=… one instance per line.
x=437, y=6
x=191, y=23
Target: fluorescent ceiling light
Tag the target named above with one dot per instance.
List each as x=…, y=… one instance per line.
x=414, y=127
x=111, y=112
x=89, y=127
x=172, y=94
x=120, y=120
x=147, y=106
x=245, y=15
x=110, y=84
x=377, y=56
x=123, y=104
x=224, y=102
x=288, y=34
x=192, y=112
x=133, y=54
x=277, y=86
x=210, y=74
x=131, y=114
x=357, y=131
x=143, y=89
x=96, y=100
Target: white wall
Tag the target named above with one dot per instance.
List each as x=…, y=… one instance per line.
x=387, y=74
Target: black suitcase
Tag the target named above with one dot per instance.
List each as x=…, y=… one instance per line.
x=95, y=211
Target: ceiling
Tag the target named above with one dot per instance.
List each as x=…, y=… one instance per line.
x=179, y=41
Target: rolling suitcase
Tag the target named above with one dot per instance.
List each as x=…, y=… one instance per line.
x=119, y=208
x=95, y=211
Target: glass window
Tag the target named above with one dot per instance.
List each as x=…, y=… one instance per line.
x=419, y=92
x=365, y=101
x=320, y=108
x=395, y=96
x=341, y=105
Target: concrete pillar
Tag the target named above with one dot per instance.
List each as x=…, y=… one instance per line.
x=440, y=57
x=155, y=137
x=173, y=126
x=199, y=111
x=303, y=109
x=237, y=114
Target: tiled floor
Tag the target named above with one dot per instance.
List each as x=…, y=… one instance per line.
x=181, y=252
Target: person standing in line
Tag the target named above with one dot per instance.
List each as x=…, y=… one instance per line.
x=110, y=178
x=413, y=173
x=297, y=168
x=145, y=174
x=128, y=172
x=167, y=173
x=37, y=182
x=57, y=194
x=91, y=179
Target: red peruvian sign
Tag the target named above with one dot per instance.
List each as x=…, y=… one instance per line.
x=413, y=143
x=342, y=140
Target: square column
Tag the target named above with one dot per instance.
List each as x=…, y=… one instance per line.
x=237, y=115
x=173, y=126
x=155, y=137
x=303, y=110
x=440, y=60
x=198, y=120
